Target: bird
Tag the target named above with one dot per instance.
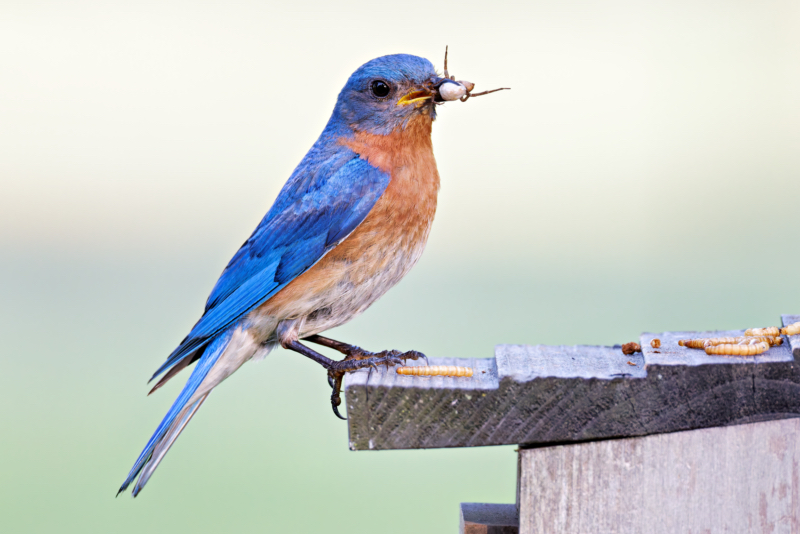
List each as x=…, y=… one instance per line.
x=352, y=219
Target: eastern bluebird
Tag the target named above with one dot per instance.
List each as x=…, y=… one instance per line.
x=351, y=221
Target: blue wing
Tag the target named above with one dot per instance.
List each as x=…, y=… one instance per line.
x=314, y=211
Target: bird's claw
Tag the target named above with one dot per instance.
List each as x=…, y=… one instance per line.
x=413, y=355
x=336, y=411
x=335, y=402
x=361, y=359
x=335, y=380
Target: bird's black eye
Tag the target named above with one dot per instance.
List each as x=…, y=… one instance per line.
x=380, y=88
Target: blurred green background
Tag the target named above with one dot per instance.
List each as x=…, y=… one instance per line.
x=641, y=175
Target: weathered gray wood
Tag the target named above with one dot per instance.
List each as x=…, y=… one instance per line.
x=794, y=341
x=479, y=518
x=737, y=479
x=540, y=395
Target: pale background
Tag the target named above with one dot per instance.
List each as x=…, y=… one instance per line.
x=642, y=174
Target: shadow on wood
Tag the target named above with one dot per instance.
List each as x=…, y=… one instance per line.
x=478, y=518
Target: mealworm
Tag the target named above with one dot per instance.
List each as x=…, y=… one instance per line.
x=738, y=350
x=692, y=343
x=435, y=370
x=770, y=331
x=791, y=330
x=742, y=340
x=656, y=343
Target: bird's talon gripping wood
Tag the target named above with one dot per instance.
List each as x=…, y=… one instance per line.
x=435, y=370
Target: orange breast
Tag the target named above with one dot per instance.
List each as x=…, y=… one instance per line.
x=389, y=240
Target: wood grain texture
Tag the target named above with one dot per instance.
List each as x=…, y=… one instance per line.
x=794, y=341
x=536, y=395
x=737, y=479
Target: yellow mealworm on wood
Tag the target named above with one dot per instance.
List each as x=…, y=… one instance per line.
x=769, y=331
x=712, y=341
x=702, y=343
x=692, y=343
x=738, y=350
x=741, y=340
x=791, y=330
x=772, y=340
x=435, y=370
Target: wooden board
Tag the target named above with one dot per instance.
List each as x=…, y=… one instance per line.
x=742, y=479
x=479, y=518
x=535, y=395
x=794, y=341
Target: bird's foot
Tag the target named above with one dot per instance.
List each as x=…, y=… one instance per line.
x=361, y=359
x=352, y=352
x=380, y=358
x=355, y=358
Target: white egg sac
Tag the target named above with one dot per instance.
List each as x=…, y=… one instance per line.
x=452, y=91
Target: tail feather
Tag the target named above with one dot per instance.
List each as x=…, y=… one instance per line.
x=177, y=368
x=164, y=444
x=177, y=417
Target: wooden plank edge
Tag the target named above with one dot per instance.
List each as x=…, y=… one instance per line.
x=481, y=518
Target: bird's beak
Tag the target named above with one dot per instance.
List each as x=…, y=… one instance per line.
x=416, y=95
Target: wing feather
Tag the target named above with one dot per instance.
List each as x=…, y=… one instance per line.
x=313, y=213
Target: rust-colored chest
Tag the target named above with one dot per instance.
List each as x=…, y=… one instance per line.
x=384, y=247
x=404, y=213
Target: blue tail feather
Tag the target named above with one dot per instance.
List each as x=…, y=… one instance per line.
x=204, y=365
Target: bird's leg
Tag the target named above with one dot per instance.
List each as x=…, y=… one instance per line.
x=350, y=351
x=308, y=353
x=353, y=352
x=336, y=369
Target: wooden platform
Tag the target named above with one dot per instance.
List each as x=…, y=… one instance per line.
x=667, y=440
x=539, y=395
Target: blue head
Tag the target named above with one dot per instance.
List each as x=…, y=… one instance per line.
x=385, y=93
